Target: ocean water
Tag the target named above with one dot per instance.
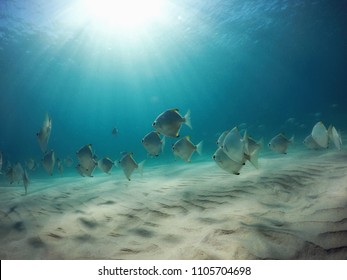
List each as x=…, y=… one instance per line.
x=265, y=66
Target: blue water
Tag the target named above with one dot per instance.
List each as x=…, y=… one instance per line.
x=231, y=62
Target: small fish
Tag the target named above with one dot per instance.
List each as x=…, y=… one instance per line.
x=234, y=146
x=169, y=122
x=280, y=143
x=115, y=131
x=335, y=137
x=184, y=148
x=48, y=162
x=153, y=144
x=60, y=166
x=44, y=133
x=31, y=164
x=226, y=163
x=68, y=161
x=320, y=134
x=26, y=181
x=221, y=138
x=310, y=143
x=105, y=164
x=128, y=164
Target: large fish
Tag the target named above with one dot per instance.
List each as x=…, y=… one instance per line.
x=14, y=173
x=48, y=162
x=44, y=133
x=86, y=170
x=320, y=134
x=169, y=122
x=153, y=144
x=128, y=164
x=226, y=163
x=234, y=146
x=184, y=148
x=87, y=160
x=280, y=143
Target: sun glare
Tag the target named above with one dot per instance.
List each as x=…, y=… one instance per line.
x=122, y=13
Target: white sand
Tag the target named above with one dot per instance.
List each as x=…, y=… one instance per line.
x=293, y=207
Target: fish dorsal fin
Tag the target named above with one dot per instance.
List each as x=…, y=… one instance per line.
x=174, y=110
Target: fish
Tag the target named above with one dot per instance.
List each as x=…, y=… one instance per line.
x=14, y=173
x=169, y=123
x=310, y=143
x=153, y=144
x=128, y=164
x=60, y=166
x=86, y=170
x=68, y=161
x=226, y=163
x=26, y=181
x=105, y=164
x=252, y=149
x=335, y=137
x=184, y=148
x=48, y=162
x=280, y=143
x=115, y=131
x=85, y=154
x=31, y=164
x=234, y=146
x=1, y=162
x=320, y=134
x=44, y=134
x=221, y=138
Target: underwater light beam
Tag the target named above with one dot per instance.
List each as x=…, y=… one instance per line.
x=125, y=14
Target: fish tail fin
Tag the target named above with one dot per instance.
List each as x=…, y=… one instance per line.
x=199, y=147
x=254, y=158
x=187, y=119
x=140, y=166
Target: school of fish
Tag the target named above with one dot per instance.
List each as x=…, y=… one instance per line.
x=232, y=153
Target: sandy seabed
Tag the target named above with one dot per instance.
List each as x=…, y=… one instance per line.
x=292, y=207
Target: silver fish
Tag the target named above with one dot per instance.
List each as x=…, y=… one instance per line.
x=44, y=133
x=310, y=143
x=335, y=137
x=320, y=134
x=48, y=162
x=153, y=144
x=128, y=164
x=85, y=155
x=280, y=143
x=86, y=170
x=105, y=164
x=221, y=138
x=169, y=122
x=184, y=148
x=252, y=149
x=234, y=146
x=115, y=131
x=226, y=163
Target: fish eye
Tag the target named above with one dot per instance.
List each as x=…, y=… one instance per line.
x=154, y=123
x=214, y=157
